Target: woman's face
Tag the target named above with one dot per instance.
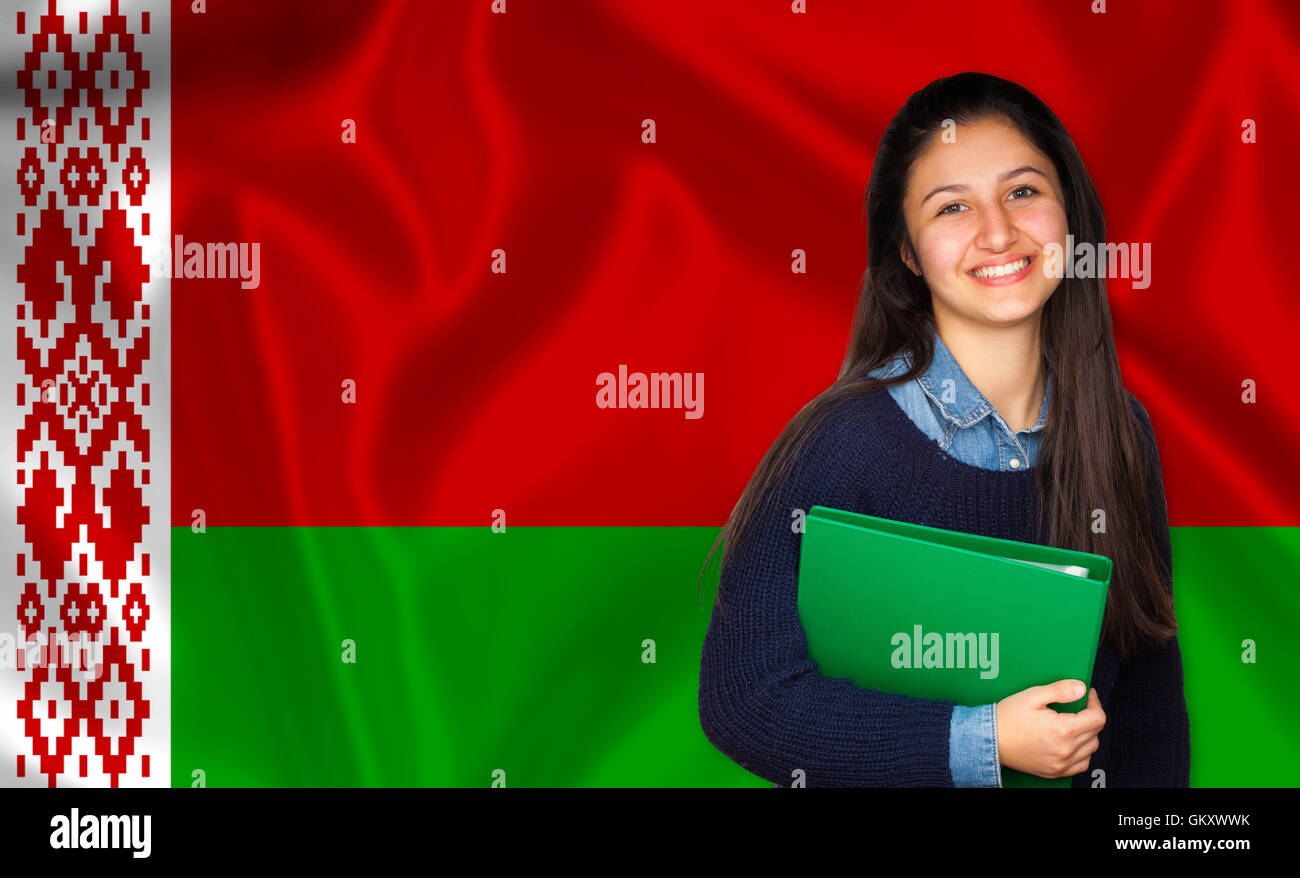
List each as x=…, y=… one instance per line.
x=986, y=200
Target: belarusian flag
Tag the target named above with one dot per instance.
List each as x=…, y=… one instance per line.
x=356, y=379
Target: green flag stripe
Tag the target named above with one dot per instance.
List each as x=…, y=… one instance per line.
x=522, y=652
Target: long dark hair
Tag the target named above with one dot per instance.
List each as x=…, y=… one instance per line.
x=1092, y=452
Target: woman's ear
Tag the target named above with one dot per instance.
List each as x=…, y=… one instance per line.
x=906, y=254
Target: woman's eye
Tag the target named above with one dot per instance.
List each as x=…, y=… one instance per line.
x=956, y=207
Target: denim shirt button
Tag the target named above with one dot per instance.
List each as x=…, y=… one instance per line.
x=1015, y=463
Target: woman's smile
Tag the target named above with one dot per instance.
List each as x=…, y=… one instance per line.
x=1003, y=271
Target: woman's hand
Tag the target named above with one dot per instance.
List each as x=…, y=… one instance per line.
x=1035, y=739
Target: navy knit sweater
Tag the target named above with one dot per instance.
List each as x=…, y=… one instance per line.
x=762, y=700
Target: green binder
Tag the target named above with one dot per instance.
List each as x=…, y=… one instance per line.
x=1008, y=615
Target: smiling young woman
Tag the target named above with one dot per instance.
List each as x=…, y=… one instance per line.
x=982, y=394
x=989, y=210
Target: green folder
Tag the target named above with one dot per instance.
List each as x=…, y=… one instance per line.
x=1008, y=615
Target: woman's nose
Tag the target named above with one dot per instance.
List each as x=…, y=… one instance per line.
x=996, y=231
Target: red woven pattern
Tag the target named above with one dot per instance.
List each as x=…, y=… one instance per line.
x=83, y=450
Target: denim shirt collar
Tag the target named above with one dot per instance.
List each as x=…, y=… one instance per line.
x=967, y=405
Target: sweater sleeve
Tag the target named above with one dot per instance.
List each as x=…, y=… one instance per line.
x=1149, y=709
x=762, y=701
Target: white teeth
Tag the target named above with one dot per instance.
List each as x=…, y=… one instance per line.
x=1001, y=270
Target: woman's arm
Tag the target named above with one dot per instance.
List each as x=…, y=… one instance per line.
x=973, y=758
x=1149, y=714
x=1148, y=709
x=762, y=701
